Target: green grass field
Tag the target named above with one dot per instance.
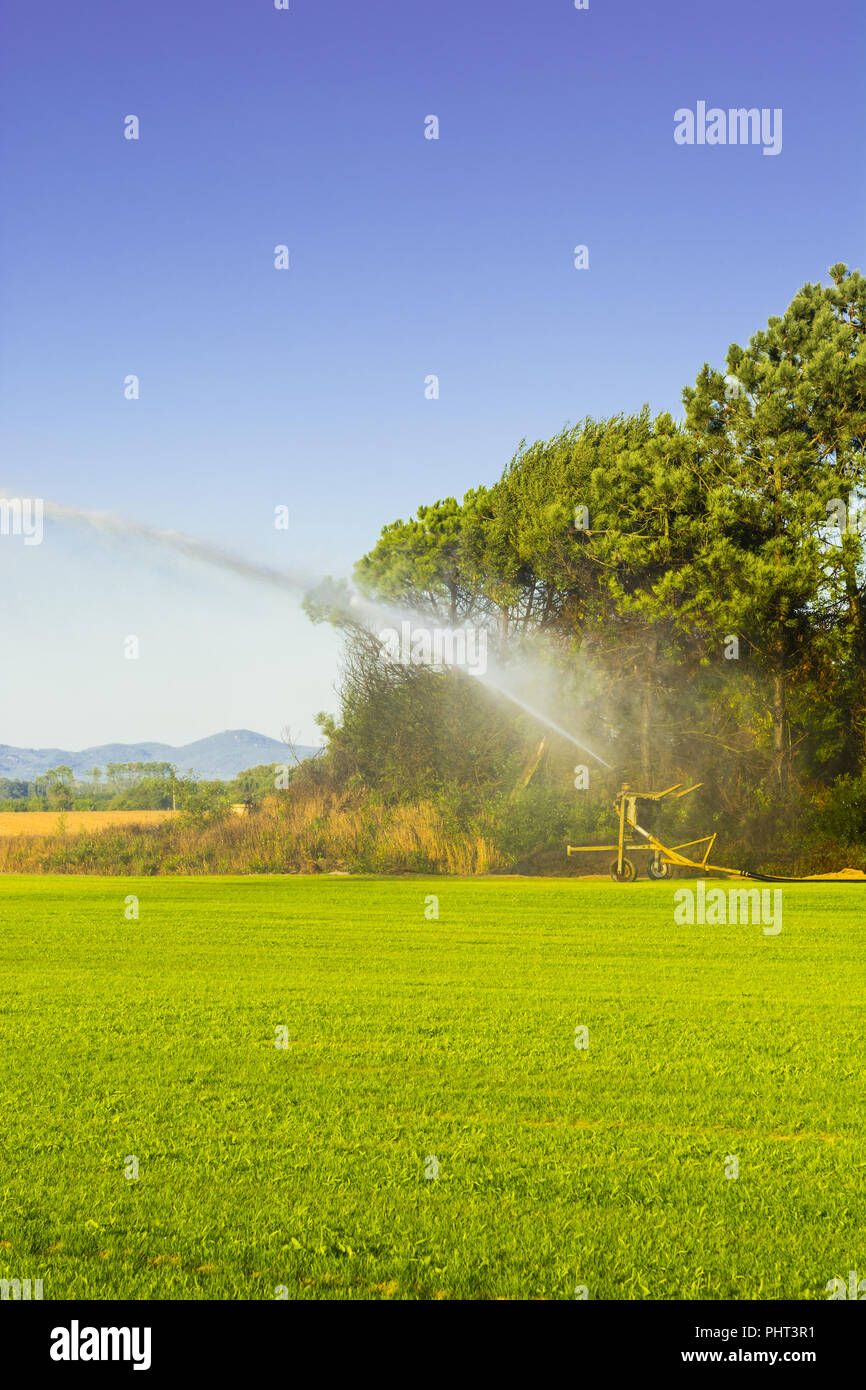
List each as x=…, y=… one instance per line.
x=411, y=1039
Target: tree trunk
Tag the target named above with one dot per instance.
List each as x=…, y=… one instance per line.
x=858, y=630
x=646, y=714
x=779, y=711
x=780, y=761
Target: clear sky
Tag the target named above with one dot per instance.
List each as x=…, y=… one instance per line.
x=408, y=257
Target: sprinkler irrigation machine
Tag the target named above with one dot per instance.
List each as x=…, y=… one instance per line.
x=628, y=806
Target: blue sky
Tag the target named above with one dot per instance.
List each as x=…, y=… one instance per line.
x=409, y=257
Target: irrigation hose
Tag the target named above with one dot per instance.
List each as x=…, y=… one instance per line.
x=812, y=878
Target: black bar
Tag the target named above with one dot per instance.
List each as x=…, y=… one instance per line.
x=279, y=1337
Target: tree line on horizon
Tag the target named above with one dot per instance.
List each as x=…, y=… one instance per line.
x=133, y=786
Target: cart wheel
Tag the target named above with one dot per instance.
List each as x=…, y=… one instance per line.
x=658, y=868
x=627, y=875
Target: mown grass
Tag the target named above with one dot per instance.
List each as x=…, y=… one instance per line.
x=410, y=1038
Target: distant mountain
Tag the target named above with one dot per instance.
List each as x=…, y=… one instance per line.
x=220, y=756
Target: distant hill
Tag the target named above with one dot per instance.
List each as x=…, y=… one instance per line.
x=220, y=756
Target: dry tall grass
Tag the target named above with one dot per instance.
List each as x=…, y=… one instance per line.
x=317, y=830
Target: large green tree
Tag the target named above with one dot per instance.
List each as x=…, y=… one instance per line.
x=782, y=434
x=708, y=571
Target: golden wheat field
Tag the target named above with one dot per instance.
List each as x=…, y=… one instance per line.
x=25, y=823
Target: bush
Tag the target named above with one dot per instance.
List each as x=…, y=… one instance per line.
x=840, y=813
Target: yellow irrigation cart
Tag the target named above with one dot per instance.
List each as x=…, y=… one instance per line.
x=629, y=805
